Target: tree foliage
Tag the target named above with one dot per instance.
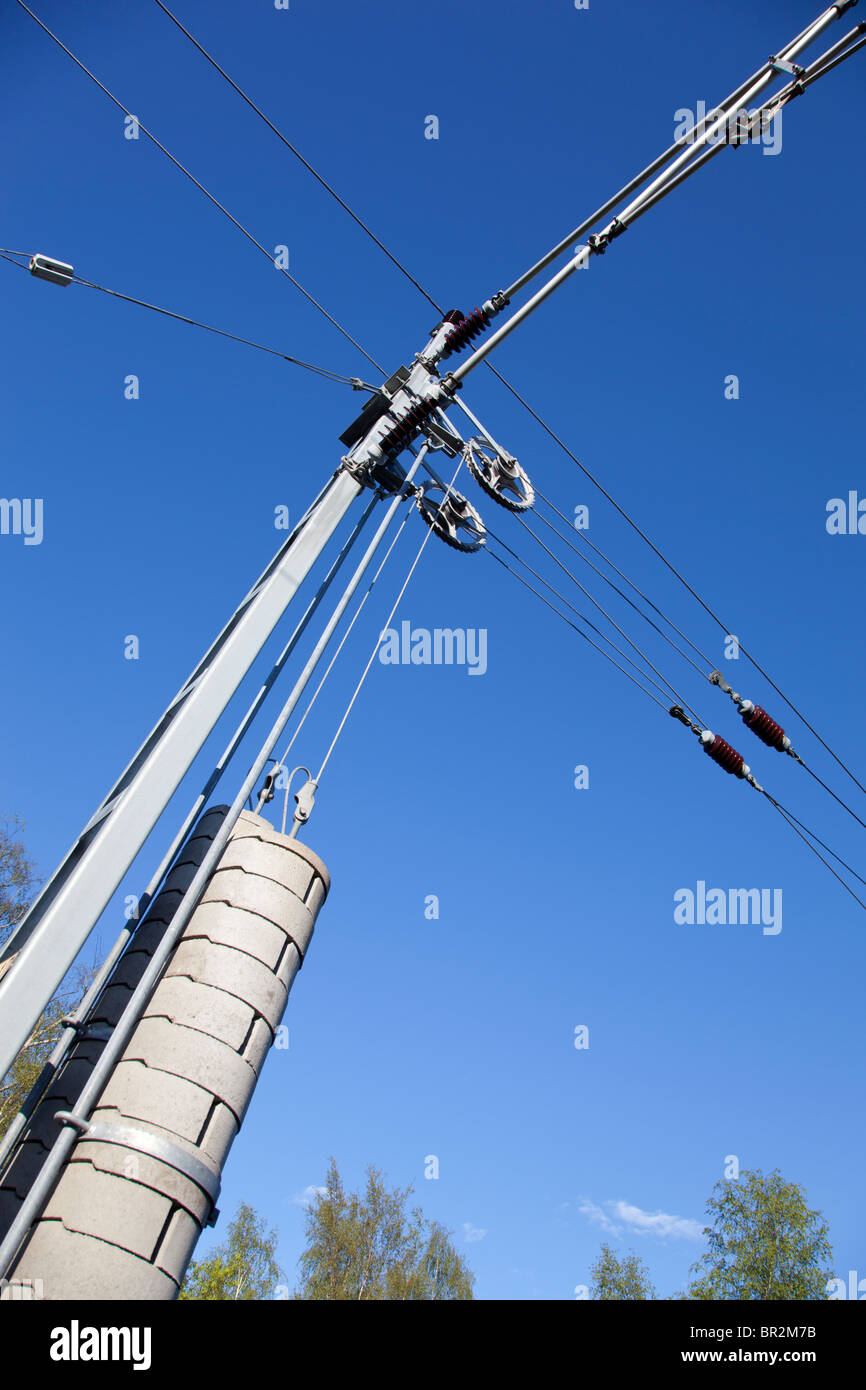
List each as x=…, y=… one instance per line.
x=371, y=1247
x=620, y=1277
x=244, y=1267
x=764, y=1242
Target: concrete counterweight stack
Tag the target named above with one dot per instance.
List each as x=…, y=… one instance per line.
x=141, y=1182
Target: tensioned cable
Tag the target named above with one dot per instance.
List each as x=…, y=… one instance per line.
x=661, y=632
x=842, y=803
x=817, y=72
x=583, y=618
x=519, y=577
x=195, y=323
x=608, y=561
x=605, y=613
x=289, y=146
x=794, y=824
x=674, y=571
x=343, y=639
x=496, y=373
x=388, y=622
x=624, y=577
x=817, y=839
x=201, y=187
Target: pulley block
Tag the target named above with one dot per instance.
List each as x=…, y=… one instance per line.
x=499, y=475
x=452, y=518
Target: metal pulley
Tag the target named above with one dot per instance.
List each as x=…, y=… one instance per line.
x=499, y=475
x=453, y=519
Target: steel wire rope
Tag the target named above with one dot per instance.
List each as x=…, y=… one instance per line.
x=820, y=71
x=583, y=618
x=217, y=204
x=672, y=688
x=326, y=372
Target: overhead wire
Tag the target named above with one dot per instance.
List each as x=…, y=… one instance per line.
x=843, y=49
x=583, y=618
x=519, y=577
x=356, y=615
x=337, y=377
x=607, y=560
x=604, y=611
x=296, y=152
x=799, y=828
x=796, y=825
x=217, y=204
x=521, y=400
x=378, y=643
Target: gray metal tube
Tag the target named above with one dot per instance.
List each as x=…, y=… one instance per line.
x=729, y=104
x=49, y=938
x=38, y=1194
x=68, y=1035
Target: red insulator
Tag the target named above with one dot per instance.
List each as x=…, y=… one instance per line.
x=726, y=756
x=471, y=326
x=768, y=731
x=404, y=428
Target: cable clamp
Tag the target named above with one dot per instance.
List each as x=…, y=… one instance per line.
x=677, y=712
x=305, y=800
x=716, y=678
x=87, y=1032
x=783, y=65
x=599, y=241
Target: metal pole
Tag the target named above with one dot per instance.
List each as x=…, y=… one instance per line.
x=69, y=1034
x=38, y=1194
x=41, y=950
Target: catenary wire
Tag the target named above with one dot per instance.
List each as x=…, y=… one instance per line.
x=296, y=152
x=604, y=611
x=345, y=635
x=630, y=582
x=583, y=618
x=388, y=622
x=795, y=824
x=496, y=373
x=217, y=204
x=512, y=389
x=196, y=323
x=519, y=577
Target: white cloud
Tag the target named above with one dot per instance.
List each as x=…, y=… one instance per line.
x=308, y=1196
x=620, y=1218
x=472, y=1233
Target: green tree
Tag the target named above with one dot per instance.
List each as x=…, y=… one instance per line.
x=764, y=1242
x=244, y=1267
x=620, y=1277
x=18, y=883
x=371, y=1247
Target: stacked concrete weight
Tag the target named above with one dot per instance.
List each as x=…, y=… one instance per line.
x=63, y=1093
x=121, y=1222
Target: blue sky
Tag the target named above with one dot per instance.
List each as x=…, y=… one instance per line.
x=455, y=1037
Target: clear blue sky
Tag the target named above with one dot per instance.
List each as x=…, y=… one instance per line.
x=455, y=1037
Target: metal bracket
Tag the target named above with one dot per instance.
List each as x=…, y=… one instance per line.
x=305, y=800
x=142, y=1141
x=599, y=241
x=783, y=65
x=88, y=1032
